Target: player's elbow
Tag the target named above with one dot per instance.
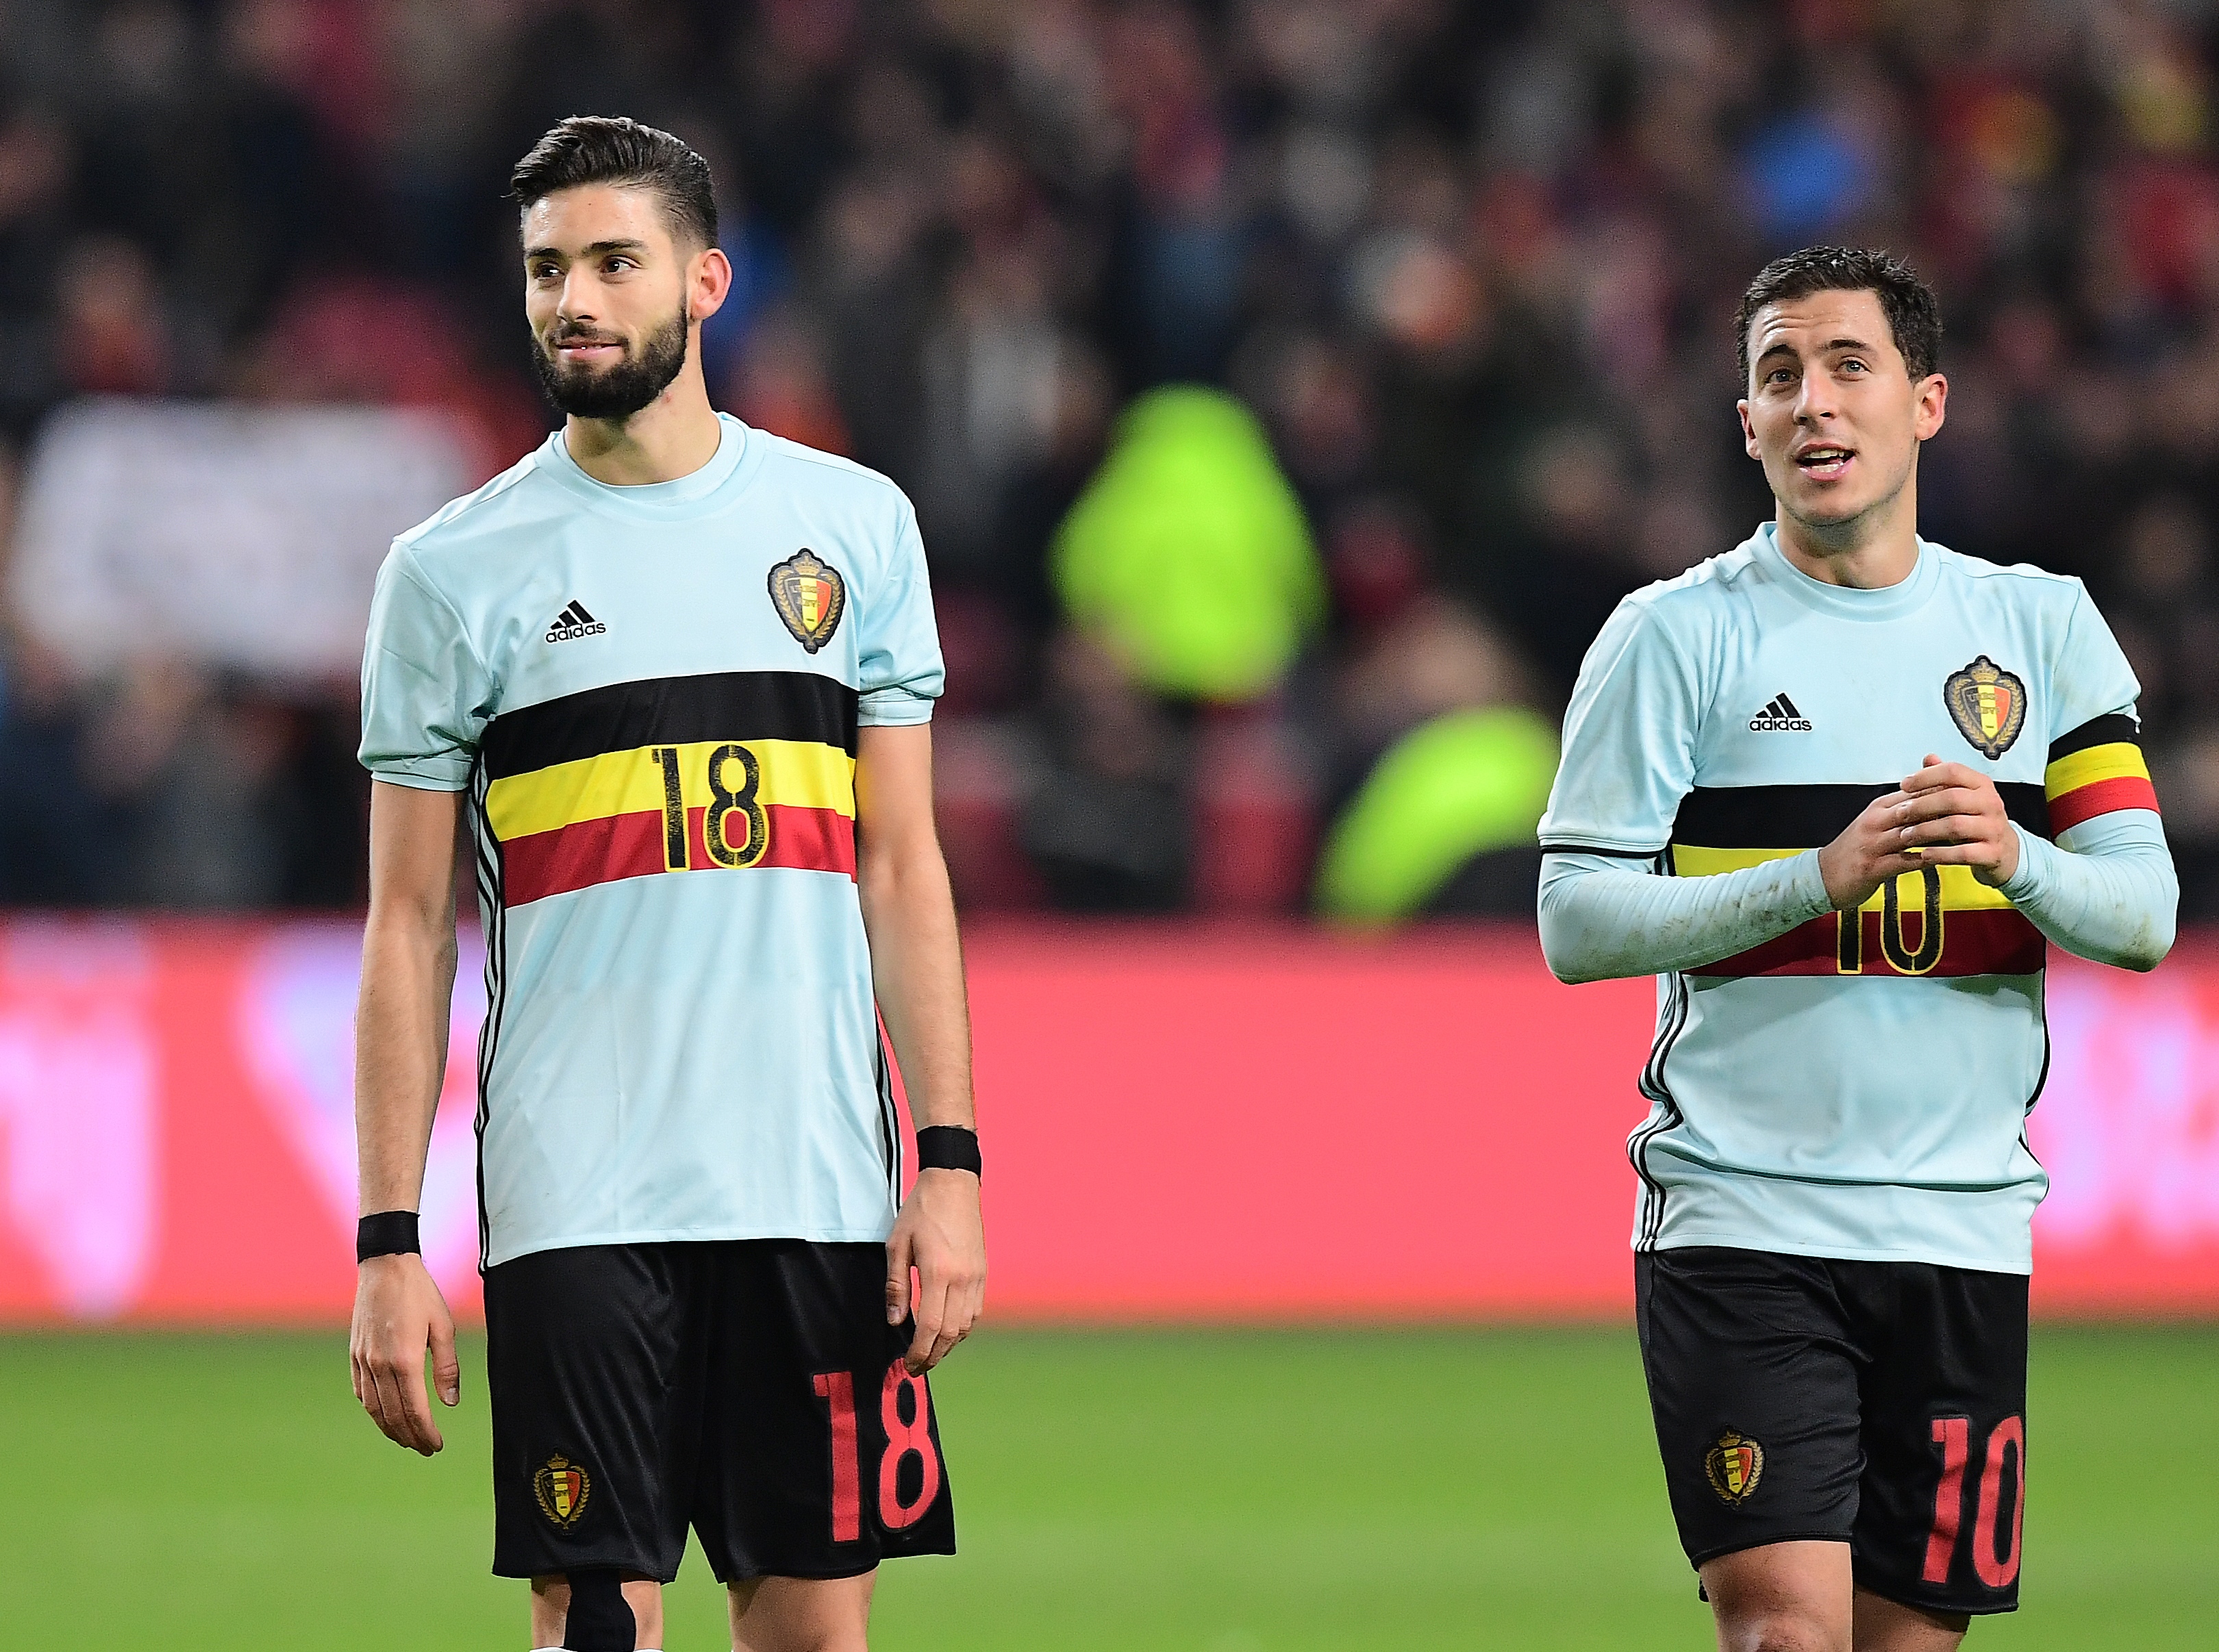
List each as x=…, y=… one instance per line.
x=1562, y=948
x=2151, y=938
x=2146, y=948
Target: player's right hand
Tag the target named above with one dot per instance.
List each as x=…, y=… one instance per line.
x=1871, y=849
x=399, y=1314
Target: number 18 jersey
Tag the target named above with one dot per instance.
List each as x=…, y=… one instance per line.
x=651, y=695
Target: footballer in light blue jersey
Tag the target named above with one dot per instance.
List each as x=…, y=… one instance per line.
x=1839, y=789
x=652, y=696
x=672, y=678
x=1743, y=713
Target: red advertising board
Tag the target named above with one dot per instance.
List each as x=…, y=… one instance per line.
x=1179, y=1122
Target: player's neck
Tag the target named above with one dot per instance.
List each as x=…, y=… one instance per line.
x=1870, y=553
x=673, y=436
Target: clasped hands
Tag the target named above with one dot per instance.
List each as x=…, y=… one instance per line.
x=1946, y=814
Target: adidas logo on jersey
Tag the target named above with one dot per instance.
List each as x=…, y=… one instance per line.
x=573, y=623
x=1780, y=717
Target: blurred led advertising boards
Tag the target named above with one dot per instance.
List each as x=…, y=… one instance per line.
x=238, y=536
x=1179, y=1122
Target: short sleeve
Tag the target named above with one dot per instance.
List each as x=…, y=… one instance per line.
x=425, y=694
x=1629, y=749
x=2095, y=764
x=2091, y=678
x=897, y=640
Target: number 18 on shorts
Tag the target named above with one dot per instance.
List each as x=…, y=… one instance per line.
x=751, y=1389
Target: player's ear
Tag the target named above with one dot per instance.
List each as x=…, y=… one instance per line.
x=708, y=281
x=1748, y=431
x=1932, y=407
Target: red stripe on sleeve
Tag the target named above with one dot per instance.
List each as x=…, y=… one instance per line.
x=2100, y=797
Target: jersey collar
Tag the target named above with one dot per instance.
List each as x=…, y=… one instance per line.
x=1889, y=602
x=738, y=452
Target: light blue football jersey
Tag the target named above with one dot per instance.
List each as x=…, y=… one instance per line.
x=1857, y=1087
x=651, y=696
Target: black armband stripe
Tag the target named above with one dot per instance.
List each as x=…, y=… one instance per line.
x=1597, y=848
x=2113, y=728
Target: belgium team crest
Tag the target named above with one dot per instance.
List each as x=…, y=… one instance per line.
x=562, y=1487
x=1735, y=1464
x=810, y=597
x=1988, y=706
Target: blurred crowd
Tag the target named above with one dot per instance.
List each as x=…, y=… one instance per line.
x=1444, y=287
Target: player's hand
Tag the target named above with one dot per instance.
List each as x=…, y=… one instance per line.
x=940, y=1235
x=1957, y=816
x=1945, y=814
x=399, y=1314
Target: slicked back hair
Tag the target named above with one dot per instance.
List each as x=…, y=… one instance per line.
x=1914, y=315
x=613, y=150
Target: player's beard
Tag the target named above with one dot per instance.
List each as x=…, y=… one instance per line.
x=621, y=391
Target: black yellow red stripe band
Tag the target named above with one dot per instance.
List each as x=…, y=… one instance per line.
x=722, y=772
x=2095, y=769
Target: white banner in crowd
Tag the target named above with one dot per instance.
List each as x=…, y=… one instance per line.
x=238, y=536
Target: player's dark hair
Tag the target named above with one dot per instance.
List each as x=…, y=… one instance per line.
x=1914, y=315
x=611, y=149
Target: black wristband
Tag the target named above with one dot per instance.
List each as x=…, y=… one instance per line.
x=390, y=1233
x=948, y=1147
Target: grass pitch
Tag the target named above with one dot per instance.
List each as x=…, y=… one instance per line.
x=1192, y=1491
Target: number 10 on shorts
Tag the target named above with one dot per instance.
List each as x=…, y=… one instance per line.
x=912, y=1439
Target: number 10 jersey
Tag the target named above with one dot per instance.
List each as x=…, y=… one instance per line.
x=1857, y=1087
x=650, y=696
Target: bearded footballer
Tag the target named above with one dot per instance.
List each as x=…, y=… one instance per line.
x=674, y=676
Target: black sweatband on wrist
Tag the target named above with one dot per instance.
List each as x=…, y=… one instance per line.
x=948, y=1147
x=390, y=1233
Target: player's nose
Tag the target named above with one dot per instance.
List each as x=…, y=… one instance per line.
x=577, y=301
x=1816, y=400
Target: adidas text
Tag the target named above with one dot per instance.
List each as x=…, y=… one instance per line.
x=573, y=623
x=1780, y=717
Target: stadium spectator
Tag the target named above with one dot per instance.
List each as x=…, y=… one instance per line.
x=1476, y=262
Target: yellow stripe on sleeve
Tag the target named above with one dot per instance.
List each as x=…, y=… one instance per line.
x=2120, y=761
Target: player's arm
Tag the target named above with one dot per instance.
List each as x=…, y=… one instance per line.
x=1603, y=917
x=917, y=968
x=400, y=1061
x=2106, y=890
x=1628, y=761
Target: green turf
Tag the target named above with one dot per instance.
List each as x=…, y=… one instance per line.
x=1191, y=1491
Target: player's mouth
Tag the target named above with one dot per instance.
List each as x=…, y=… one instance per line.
x=1824, y=461
x=578, y=348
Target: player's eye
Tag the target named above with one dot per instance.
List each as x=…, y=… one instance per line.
x=1852, y=364
x=620, y=263
x=1779, y=375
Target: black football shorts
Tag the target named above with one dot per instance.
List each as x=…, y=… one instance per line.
x=750, y=1388
x=1879, y=1404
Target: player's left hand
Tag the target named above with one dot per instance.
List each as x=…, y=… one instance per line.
x=1954, y=815
x=940, y=1234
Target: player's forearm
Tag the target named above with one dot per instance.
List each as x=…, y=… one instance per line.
x=2107, y=891
x=401, y=1052
x=1602, y=919
x=916, y=969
